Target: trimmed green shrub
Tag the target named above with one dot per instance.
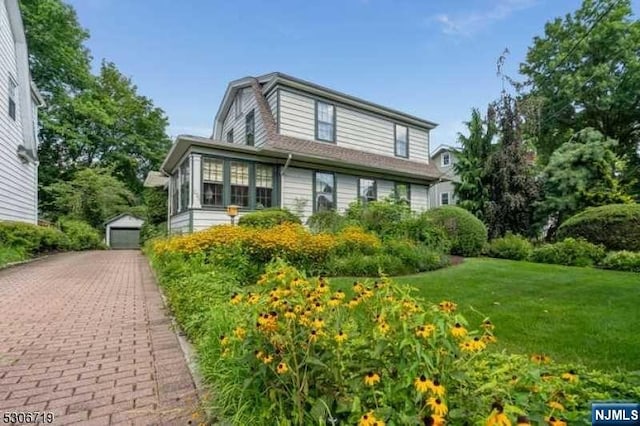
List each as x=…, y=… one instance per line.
x=415, y=257
x=11, y=255
x=268, y=218
x=514, y=247
x=622, y=261
x=423, y=229
x=82, y=236
x=30, y=238
x=467, y=233
x=570, y=252
x=381, y=217
x=362, y=265
x=327, y=221
x=616, y=226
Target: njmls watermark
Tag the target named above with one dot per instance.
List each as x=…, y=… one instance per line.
x=615, y=414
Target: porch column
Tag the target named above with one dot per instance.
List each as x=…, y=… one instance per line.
x=196, y=181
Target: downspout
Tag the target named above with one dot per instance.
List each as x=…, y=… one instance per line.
x=286, y=165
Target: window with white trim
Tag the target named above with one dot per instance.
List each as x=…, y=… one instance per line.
x=446, y=159
x=212, y=182
x=264, y=186
x=239, y=183
x=367, y=190
x=444, y=198
x=325, y=122
x=402, y=141
x=324, y=192
x=13, y=97
x=238, y=104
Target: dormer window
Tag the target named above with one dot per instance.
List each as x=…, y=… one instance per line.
x=230, y=136
x=13, y=96
x=446, y=159
x=325, y=122
x=402, y=141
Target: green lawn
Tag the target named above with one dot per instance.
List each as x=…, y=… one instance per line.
x=573, y=314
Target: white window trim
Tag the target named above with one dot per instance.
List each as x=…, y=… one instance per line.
x=448, y=198
x=12, y=96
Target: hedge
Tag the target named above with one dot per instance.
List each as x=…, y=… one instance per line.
x=467, y=233
x=616, y=226
x=268, y=218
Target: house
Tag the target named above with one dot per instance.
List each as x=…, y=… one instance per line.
x=19, y=101
x=441, y=194
x=123, y=231
x=279, y=141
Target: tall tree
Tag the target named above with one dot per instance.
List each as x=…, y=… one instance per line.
x=472, y=189
x=513, y=189
x=581, y=173
x=585, y=70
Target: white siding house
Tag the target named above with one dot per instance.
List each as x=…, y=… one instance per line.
x=19, y=100
x=279, y=141
x=442, y=193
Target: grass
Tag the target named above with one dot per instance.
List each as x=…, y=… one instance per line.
x=572, y=314
x=11, y=255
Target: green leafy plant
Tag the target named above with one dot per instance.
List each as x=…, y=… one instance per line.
x=467, y=233
x=268, y=218
x=381, y=217
x=616, y=226
x=326, y=221
x=81, y=235
x=514, y=247
x=570, y=252
x=622, y=261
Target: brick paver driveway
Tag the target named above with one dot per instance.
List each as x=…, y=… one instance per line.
x=86, y=336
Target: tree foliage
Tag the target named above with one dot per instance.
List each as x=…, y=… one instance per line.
x=471, y=159
x=93, y=195
x=580, y=174
x=586, y=72
x=89, y=120
x=512, y=187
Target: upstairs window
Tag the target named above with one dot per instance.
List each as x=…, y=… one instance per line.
x=13, y=97
x=444, y=199
x=264, y=186
x=230, y=136
x=238, y=104
x=402, y=192
x=240, y=184
x=446, y=159
x=184, y=185
x=402, y=141
x=367, y=190
x=212, y=182
x=250, y=129
x=325, y=122
x=324, y=192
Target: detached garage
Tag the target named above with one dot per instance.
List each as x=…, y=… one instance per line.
x=123, y=232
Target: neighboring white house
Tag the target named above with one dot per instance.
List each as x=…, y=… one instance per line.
x=440, y=194
x=279, y=141
x=19, y=100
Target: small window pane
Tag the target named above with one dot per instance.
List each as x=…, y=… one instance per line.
x=230, y=136
x=325, y=195
x=238, y=104
x=444, y=198
x=367, y=190
x=212, y=182
x=264, y=186
x=240, y=184
x=250, y=129
x=446, y=159
x=402, y=141
x=12, y=98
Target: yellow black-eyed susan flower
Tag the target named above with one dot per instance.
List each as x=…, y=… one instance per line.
x=371, y=378
x=224, y=340
x=341, y=337
x=267, y=359
x=478, y=344
x=290, y=314
x=523, y=421
x=358, y=287
x=354, y=302
x=240, y=332
x=434, y=420
x=540, y=359
x=489, y=338
x=236, y=298
x=447, y=306
x=458, y=330
x=466, y=346
x=497, y=416
x=487, y=324
x=555, y=405
x=253, y=298
x=436, y=388
x=383, y=327
x=570, y=376
x=556, y=422
x=334, y=302
x=421, y=384
x=437, y=406
x=339, y=295
x=282, y=368
x=425, y=331
x=367, y=419
x=313, y=336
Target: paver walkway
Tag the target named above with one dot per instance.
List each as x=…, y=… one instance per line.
x=86, y=336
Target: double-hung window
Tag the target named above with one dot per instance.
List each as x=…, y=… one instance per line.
x=238, y=105
x=212, y=182
x=324, y=192
x=444, y=198
x=402, y=192
x=250, y=129
x=13, y=97
x=402, y=141
x=184, y=185
x=239, y=183
x=264, y=186
x=446, y=159
x=325, y=122
x=367, y=190
x=230, y=136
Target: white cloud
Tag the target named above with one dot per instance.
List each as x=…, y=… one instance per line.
x=469, y=23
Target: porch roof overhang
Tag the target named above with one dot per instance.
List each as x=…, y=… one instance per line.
x=309, y=154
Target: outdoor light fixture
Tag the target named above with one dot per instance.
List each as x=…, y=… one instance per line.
x=232, y=212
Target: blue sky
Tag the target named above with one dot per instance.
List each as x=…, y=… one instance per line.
x=434, y=59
